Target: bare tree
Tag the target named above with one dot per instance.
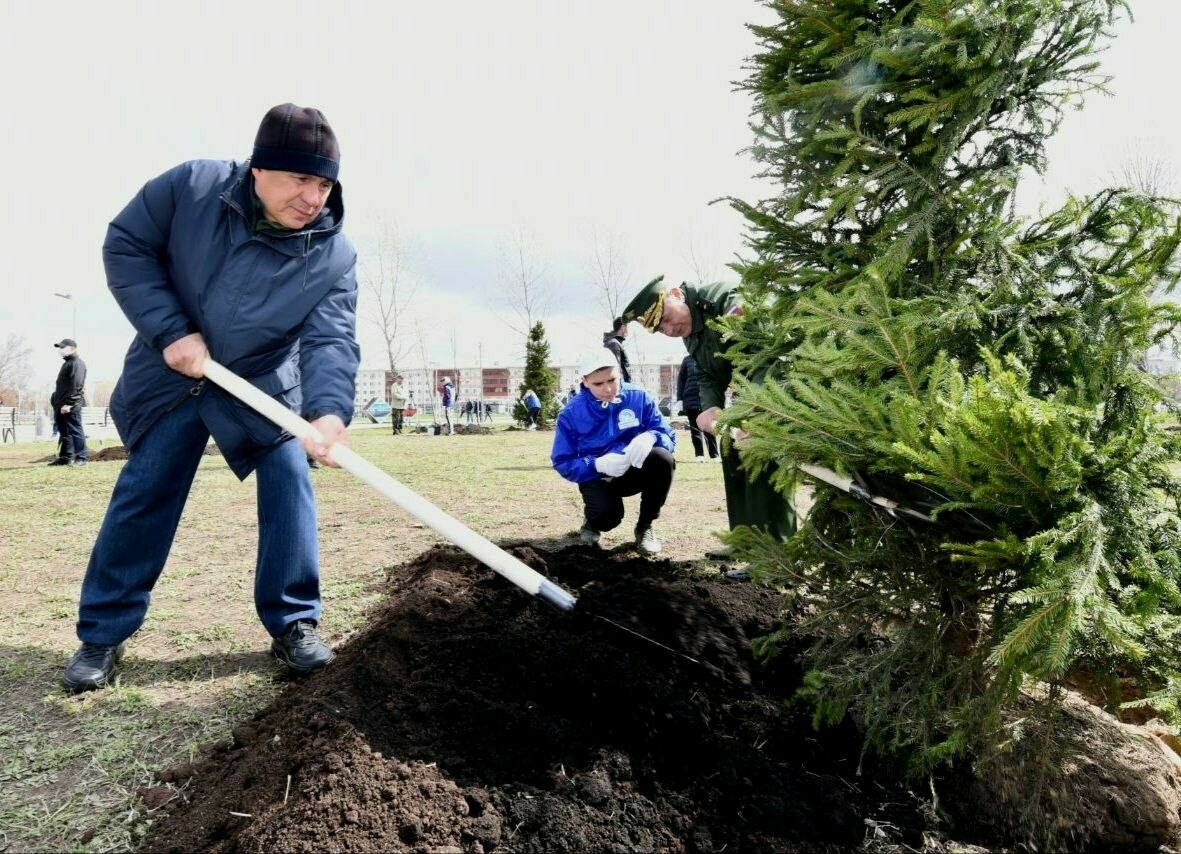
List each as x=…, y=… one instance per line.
x=612, y=276
x=383, y=276
x=453, y=340
x=523, y=283
x=431, y=390
x=14, y=367
x=702, y=270
x=1145, y=173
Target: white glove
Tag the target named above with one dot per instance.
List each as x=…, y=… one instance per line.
x=639, y=448
x=612, y=465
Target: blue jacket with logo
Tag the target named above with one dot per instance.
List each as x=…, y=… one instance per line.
x=588, y=428
x=277, y=308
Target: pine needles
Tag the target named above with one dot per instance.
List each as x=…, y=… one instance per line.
x=907, y=328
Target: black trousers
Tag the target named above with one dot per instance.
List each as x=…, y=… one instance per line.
x=72, y=444
x=604, y=497
x=696, y=434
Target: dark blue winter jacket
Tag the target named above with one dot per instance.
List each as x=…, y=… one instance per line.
x=275, y=307
x=688, y=391
x=588, y=428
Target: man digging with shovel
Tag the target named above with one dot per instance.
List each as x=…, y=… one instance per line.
x=244, y=263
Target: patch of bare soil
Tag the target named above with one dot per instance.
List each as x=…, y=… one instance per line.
x=471, y=717
x=119, y=452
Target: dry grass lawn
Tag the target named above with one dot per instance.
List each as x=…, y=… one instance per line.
x=70, y=766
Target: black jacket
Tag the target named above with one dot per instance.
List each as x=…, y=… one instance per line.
x=71, y=382
x=614, y=343
x=687, y=389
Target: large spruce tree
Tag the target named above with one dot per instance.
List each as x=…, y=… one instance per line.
x=980, y=369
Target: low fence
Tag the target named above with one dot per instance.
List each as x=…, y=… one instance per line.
x=16, y=426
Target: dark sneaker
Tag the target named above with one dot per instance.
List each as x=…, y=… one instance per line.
x=77, y=464
x=301, y=649
x=93, y=666
x=739, y=574
x=61, y=461
x=588, y=536
x=646, y=541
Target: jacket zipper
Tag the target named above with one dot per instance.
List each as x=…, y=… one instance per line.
x=189, y=392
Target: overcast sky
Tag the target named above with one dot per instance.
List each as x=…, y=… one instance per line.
x=463, y=124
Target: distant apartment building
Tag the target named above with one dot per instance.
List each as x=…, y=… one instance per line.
x=497, y=385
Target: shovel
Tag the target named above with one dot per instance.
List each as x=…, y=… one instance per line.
x=482, y=549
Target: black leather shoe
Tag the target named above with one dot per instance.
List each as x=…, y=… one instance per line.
x=93, y=666
x=301, y=649
x=61, y=461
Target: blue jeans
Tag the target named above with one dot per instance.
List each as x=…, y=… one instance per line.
x=145, y=509
x=72, y=445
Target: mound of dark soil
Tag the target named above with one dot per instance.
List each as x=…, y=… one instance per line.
x=472, y=717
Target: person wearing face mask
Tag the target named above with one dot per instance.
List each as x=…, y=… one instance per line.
x=613, y=442
x=67, y=401
x=244, y=262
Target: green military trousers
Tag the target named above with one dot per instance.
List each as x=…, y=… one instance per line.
x=755, y=502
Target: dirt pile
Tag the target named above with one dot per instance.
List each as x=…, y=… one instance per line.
x=471, y=717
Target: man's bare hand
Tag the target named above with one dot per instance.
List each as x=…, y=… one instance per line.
x=187, y=355
x=708, y=420
x=66, y=408
x=332, y=430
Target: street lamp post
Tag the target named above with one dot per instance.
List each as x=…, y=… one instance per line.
x=73, y=313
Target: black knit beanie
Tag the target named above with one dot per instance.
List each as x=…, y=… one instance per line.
x=296, y=139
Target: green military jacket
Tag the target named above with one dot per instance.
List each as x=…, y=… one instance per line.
x=704, y=344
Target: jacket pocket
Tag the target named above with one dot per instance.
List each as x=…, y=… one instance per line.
x=282, y=385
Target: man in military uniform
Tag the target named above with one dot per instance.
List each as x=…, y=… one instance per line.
x=685, y=312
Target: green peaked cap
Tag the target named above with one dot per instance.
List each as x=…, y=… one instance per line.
x=648, y=305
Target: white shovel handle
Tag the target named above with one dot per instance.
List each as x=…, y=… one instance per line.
x=477, y=546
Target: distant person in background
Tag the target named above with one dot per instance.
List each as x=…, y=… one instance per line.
x=613, y=442
x=397, y=405
x=67, y=401
x=447, y=399
x=532, y=409
x=613, y=341
x=690, y=398
x=487, y=411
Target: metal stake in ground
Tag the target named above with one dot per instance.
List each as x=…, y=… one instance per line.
x=479, y=547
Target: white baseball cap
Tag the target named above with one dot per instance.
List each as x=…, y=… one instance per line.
x=595, y=360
